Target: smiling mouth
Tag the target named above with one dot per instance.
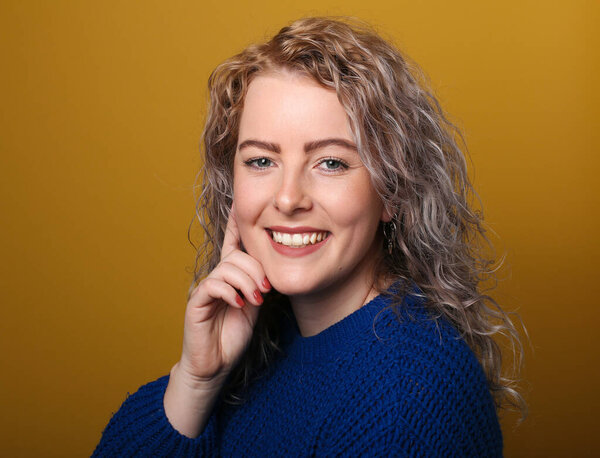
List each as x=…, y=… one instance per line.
x=298, y=240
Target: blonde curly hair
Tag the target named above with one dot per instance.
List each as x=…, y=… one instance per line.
x=417, y=167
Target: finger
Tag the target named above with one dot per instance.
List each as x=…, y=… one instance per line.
x=240, y=280
x=231, y=240
x=251, y=267
x=211, y=289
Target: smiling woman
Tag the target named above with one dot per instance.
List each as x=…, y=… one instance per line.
x=337, y=306
x=298, y=175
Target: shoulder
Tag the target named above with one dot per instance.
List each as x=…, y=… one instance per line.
x=424, y=378
x=426, y=346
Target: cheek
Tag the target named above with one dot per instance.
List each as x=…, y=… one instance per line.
x=356, y=205
x=242, y=193
x=249, y=204
x=244, y=210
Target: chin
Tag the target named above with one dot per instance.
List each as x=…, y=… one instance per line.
x=291, y=286
x=290, y=289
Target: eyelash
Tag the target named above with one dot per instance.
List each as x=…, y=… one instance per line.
x=253, y=163
x=342, y=164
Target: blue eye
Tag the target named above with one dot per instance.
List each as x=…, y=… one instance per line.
x=259, y=163
x=333, y=165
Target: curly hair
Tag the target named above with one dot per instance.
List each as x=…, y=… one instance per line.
x=416, y=165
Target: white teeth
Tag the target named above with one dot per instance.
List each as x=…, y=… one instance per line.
x=298, y=240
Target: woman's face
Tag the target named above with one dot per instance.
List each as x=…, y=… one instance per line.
x=304, y=202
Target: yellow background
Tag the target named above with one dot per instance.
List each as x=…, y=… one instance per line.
x=101, y=108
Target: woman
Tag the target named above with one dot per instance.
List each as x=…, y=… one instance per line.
x=337, y=309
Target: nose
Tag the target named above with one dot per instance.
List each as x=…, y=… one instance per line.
x=292, y=195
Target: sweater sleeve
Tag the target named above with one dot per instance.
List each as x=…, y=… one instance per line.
x=141, y=428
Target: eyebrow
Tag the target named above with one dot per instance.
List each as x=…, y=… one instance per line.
x=260, y=145
x=308, y=147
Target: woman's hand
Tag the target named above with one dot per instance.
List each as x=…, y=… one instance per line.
x=218, y=326
x=219, y=321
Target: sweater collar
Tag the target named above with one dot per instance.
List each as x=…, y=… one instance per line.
x=342, y=336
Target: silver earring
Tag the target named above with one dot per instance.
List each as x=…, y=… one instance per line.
x=389, y=233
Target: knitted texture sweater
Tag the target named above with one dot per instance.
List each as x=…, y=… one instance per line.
x=370, y=385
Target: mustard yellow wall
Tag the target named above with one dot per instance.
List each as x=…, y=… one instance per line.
x=100, y=116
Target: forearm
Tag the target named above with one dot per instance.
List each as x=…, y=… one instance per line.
x=188, y=404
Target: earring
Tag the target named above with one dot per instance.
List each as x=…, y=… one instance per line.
x=389, y=233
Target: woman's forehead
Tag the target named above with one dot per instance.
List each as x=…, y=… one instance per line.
x=294, y=107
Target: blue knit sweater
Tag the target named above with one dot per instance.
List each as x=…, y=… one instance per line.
x=370, y=385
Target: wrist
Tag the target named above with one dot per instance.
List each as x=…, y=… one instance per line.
x=188, y=401
x=193, y=385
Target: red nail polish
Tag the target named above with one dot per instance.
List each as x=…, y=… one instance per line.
x=239, y=300
x=258, y=296
x=266, y=283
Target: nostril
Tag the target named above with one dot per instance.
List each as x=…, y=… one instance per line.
x=291, y=196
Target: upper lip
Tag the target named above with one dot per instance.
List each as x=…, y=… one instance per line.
x=294, y=230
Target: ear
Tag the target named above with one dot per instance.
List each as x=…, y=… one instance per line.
x=386, y=214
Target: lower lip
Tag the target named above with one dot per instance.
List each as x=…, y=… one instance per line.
x=296, y=252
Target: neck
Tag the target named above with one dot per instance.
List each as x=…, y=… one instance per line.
x=319, y=310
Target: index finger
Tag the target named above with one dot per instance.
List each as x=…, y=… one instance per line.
x=231, y=240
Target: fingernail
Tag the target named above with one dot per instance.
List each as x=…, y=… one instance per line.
x=258, y=296
x=266, y=283
x=239, y=300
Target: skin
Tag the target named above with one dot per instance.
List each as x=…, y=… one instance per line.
x=287, y=173
x=327, y=188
